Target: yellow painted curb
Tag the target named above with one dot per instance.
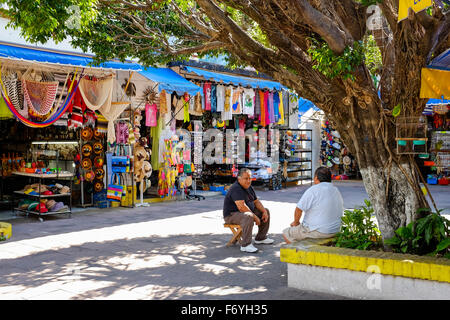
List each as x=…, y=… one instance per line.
x=313, y=252
x=5, y=230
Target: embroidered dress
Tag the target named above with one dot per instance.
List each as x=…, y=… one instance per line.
x=271, y=108
x=263, y=109
x=162, y=102
x=179, y=107
x=257, y=114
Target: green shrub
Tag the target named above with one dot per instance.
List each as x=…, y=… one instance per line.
x=358, y=231
x=429, y=235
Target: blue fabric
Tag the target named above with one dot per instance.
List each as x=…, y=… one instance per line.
x=236, y=80
x=213, y=98
x=442, y=61
x=170, y=81
x=39, y=55
x=276, y=104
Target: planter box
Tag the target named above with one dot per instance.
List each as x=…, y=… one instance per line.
x=365, y=274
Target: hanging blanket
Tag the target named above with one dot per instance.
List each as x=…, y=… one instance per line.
x=40, y=97
x=97, y=93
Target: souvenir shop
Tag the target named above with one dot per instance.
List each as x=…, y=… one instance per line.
x=227, y=100
x=57, y=129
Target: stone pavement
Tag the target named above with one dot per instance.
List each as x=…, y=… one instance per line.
x=169, y=250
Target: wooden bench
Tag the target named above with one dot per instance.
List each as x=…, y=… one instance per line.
x=237, y=231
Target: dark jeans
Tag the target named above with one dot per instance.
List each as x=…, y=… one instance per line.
x=245, y=220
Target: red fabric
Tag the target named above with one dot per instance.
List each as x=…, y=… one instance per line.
x=207, y=95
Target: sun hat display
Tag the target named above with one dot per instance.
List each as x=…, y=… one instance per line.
x=99, y=162
x=87, y=133
x=50, y=203
x=97, y=147
x=86, y=150
x=89, y=175
x=86, y=163
x=99, y=173
x=98, y=186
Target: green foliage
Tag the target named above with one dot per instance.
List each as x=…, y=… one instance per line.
x=332, y=65
x=358, y=230
x=372, y=55
x=429, y=235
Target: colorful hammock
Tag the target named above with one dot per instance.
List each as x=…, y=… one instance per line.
x=47, y=122
x=40, y=97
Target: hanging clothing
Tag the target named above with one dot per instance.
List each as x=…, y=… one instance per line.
x=178, y=102
x=207, y=95
x=213, y=98
x=281, y=108
x=162, y=102
x=257, y=113
x=220, y=93
x=262, y=118
x=248, y=106
x=155, y=133
x=197, y=110
x=276, y=104
x=186, y=108
x=270, y=107
x=286, y=106
x=236, y=101
x=150, y=115
x=227, y=113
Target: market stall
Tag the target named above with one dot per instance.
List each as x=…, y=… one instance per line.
x=52, y=134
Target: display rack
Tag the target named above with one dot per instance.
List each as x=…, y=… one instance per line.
x=296, y=164
x=40, y=177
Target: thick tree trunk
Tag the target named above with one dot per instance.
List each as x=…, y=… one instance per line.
x=391, y=180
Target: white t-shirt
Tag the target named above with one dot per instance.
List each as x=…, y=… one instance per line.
x=248, y=106
x=220, y=93
x=322, y=207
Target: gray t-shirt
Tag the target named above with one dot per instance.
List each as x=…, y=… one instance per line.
x=322, y=207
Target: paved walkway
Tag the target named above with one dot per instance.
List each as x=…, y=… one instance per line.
x=171, y=250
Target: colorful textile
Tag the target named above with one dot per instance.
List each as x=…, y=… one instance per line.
x=162, y=102
x=262, y=118
x=281, y=108
x=213, y=98
x=435, y=84
x=227, y=113
x=266, y=108
x=150, y=115
x=40, y=97
x=5, y=113
x=207, y=95
x=97, y=93
x=257, y=114
x=276, y=104
x=236, y=101
x=270, y=107
x=248, y=102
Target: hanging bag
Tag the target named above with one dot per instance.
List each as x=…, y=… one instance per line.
x=115, y=189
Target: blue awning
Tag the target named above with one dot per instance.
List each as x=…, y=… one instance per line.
x=236, y=80
x=23, y=53
x=304, y=105
x=170, y=81
x=434, y=102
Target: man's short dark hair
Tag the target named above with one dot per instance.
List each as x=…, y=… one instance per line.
x=323, y=174
x=244, y=170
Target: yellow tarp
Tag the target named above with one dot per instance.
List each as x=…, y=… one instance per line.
x=435, y=84
x=416, y=5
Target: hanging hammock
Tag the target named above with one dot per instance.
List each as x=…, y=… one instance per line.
x=52, y=119
x=14, y=88
x=97, y=93
x=40, y=97
x=112, y=114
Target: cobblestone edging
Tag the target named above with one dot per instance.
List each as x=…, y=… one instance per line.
x=314, y=253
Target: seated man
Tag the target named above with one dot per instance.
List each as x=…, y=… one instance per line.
x=322, y=206
x=242, y=207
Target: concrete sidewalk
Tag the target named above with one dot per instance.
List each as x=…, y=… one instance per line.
x=170, y=250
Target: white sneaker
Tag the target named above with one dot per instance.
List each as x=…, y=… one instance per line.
x=265, y=241
x=250, y=248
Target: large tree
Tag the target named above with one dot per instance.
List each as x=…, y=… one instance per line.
x=319, y=48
